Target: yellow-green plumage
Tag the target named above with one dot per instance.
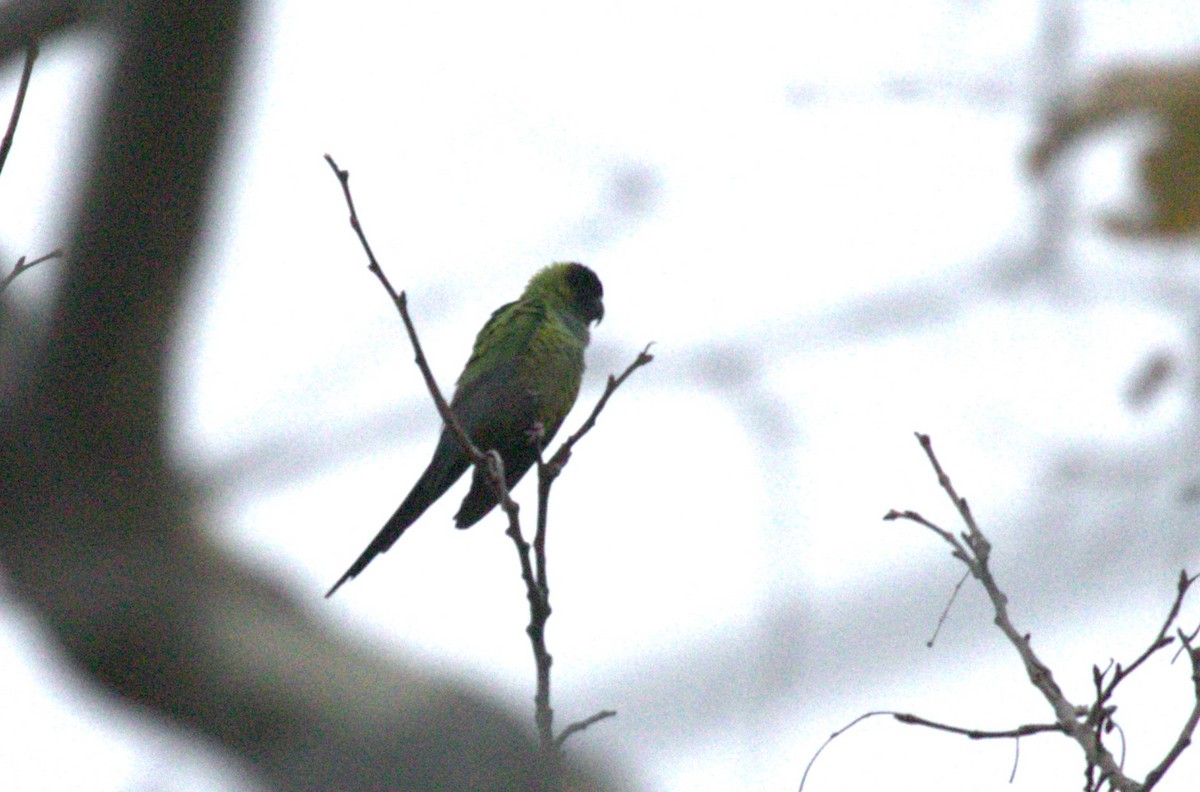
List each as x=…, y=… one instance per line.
x=521, y=380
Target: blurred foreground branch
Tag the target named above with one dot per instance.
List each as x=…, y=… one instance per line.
x=23, y=266
x=22, y=87
x=31, y=54
x=99, y=536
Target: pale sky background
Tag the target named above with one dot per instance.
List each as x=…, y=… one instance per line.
x=807, y=207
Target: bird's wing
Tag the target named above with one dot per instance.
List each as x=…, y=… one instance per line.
x=489, y=397
x=494, y=401
x=487, y=402
x=529, y=365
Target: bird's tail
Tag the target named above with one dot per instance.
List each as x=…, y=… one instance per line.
x=432, y=485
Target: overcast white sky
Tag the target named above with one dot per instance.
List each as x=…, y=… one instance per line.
x=800, y=204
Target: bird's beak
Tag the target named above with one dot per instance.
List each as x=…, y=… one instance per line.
x=599, y=311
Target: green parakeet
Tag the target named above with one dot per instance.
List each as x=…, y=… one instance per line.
x=521, y=381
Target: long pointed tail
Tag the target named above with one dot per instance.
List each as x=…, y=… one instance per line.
x=434, y=482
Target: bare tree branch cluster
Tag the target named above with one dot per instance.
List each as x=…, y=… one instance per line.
x=1088, y=725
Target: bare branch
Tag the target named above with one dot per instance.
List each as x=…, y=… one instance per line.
x=401, y=302
x=946, y=611
x=977, y=553
x=538, y=585
x=979, y=734
x=579, y=726
x=834, y=736
x=1189, y=727
x=23, y=265
x=31, y=54
x=960, y=552
x=563, y=454
x=539, y=614
x=917, y=720
x=1161, y=641
x=26, y=72
x=1087, y=726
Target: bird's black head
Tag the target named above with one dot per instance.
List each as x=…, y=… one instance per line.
x=587, y=293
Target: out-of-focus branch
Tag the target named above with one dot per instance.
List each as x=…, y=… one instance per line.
x=98, y=535
x=26, y=72
x=25, y=21
x=1168, y=170
x=22, y=265
x=31, y=54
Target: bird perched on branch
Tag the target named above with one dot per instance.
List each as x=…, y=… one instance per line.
x=512, y=396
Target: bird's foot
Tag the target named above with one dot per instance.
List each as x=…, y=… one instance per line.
x=536, y=434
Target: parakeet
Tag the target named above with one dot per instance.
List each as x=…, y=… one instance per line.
x=517, y=387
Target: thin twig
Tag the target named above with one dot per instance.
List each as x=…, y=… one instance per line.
x=549, y=471
x=23, y=265
x=31, y=55
x=538, y=584
x=960, y=551
x=917, y=720
x=26, y=72
x=401, y=302
x=831, y=738
x=979, y=734
x=946, y=611
x=579, y=726
x=563, y=454
x=1161, y=641
x=1189, y=727
x=1012, y=774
